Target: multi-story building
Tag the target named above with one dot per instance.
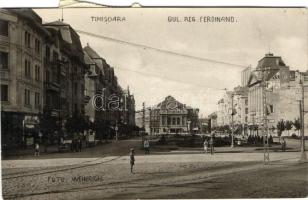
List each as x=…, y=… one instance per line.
x=70, y=68
x=94, y=104
x=64, y=77
x=245, y=74
x=43, y=80
x=233, y=110
x=305, y=83
x=221, y=112
x=128, y=108
x=240, y=112
x=224, y=109
x=111, y=90
x=115, y=106
x=282, y=89
x=22, y=39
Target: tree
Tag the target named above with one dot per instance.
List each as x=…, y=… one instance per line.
x=288, y=125
x=77, y=123
x=256, y=128
x=101, y=128
x=297, y=124
x=48, y=126
x=280, y=127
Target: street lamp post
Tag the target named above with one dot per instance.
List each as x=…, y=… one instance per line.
x=232, y=122
x=116, y=130
x=303, y=157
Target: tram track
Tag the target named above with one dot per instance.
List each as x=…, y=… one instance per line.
x=72, y=167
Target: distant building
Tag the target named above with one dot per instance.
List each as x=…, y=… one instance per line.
x=245, y=74
x=171, y=116
x=204, y=125
x=142, y=119
x=213, y=120
x=241, y=110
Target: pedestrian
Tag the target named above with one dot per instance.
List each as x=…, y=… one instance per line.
x=37, y=149
x=283, y=145
x=132, y=159
x=212, y=145
x=80, y=145
x=205, y=145
x=146, y=146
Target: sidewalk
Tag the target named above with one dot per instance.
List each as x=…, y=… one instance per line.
x=29, y=151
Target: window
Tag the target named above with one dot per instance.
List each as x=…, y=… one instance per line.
x=270, y=109
x=168, y=121
x=4, y=60
x=76, y=107
x=246, y=119
x=246, y=102
x=173, y=121
x=4, y=28
x=75, y=88
x=37, y=100
x=27, y=39
x=37, y=46
x=27, y=69
x=37, y=72
x=27, y=97
x=246, y=110
x=178, y=121
x=75, y=69
x=48, y=53
x=82, y=89
x=4, y=93
x=55, y=56
x=47, y=76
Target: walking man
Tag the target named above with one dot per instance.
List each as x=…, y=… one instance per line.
x=212, y=145
x=283, y=145
x=205, y=145
x=37, y=149
x=146, y=146
x=132, y=160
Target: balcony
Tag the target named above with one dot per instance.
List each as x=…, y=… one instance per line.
x=87, y=99
x=4, y=74
x=4, y=40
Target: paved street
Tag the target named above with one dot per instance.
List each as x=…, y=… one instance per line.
x=103, y=171
x=122, y=147
x=223, y=175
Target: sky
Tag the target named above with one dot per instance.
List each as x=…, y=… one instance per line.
x=152, y=75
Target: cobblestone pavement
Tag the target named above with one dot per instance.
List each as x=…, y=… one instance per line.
x=233, y=175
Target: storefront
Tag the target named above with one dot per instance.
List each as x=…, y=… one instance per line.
x=19, y=129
